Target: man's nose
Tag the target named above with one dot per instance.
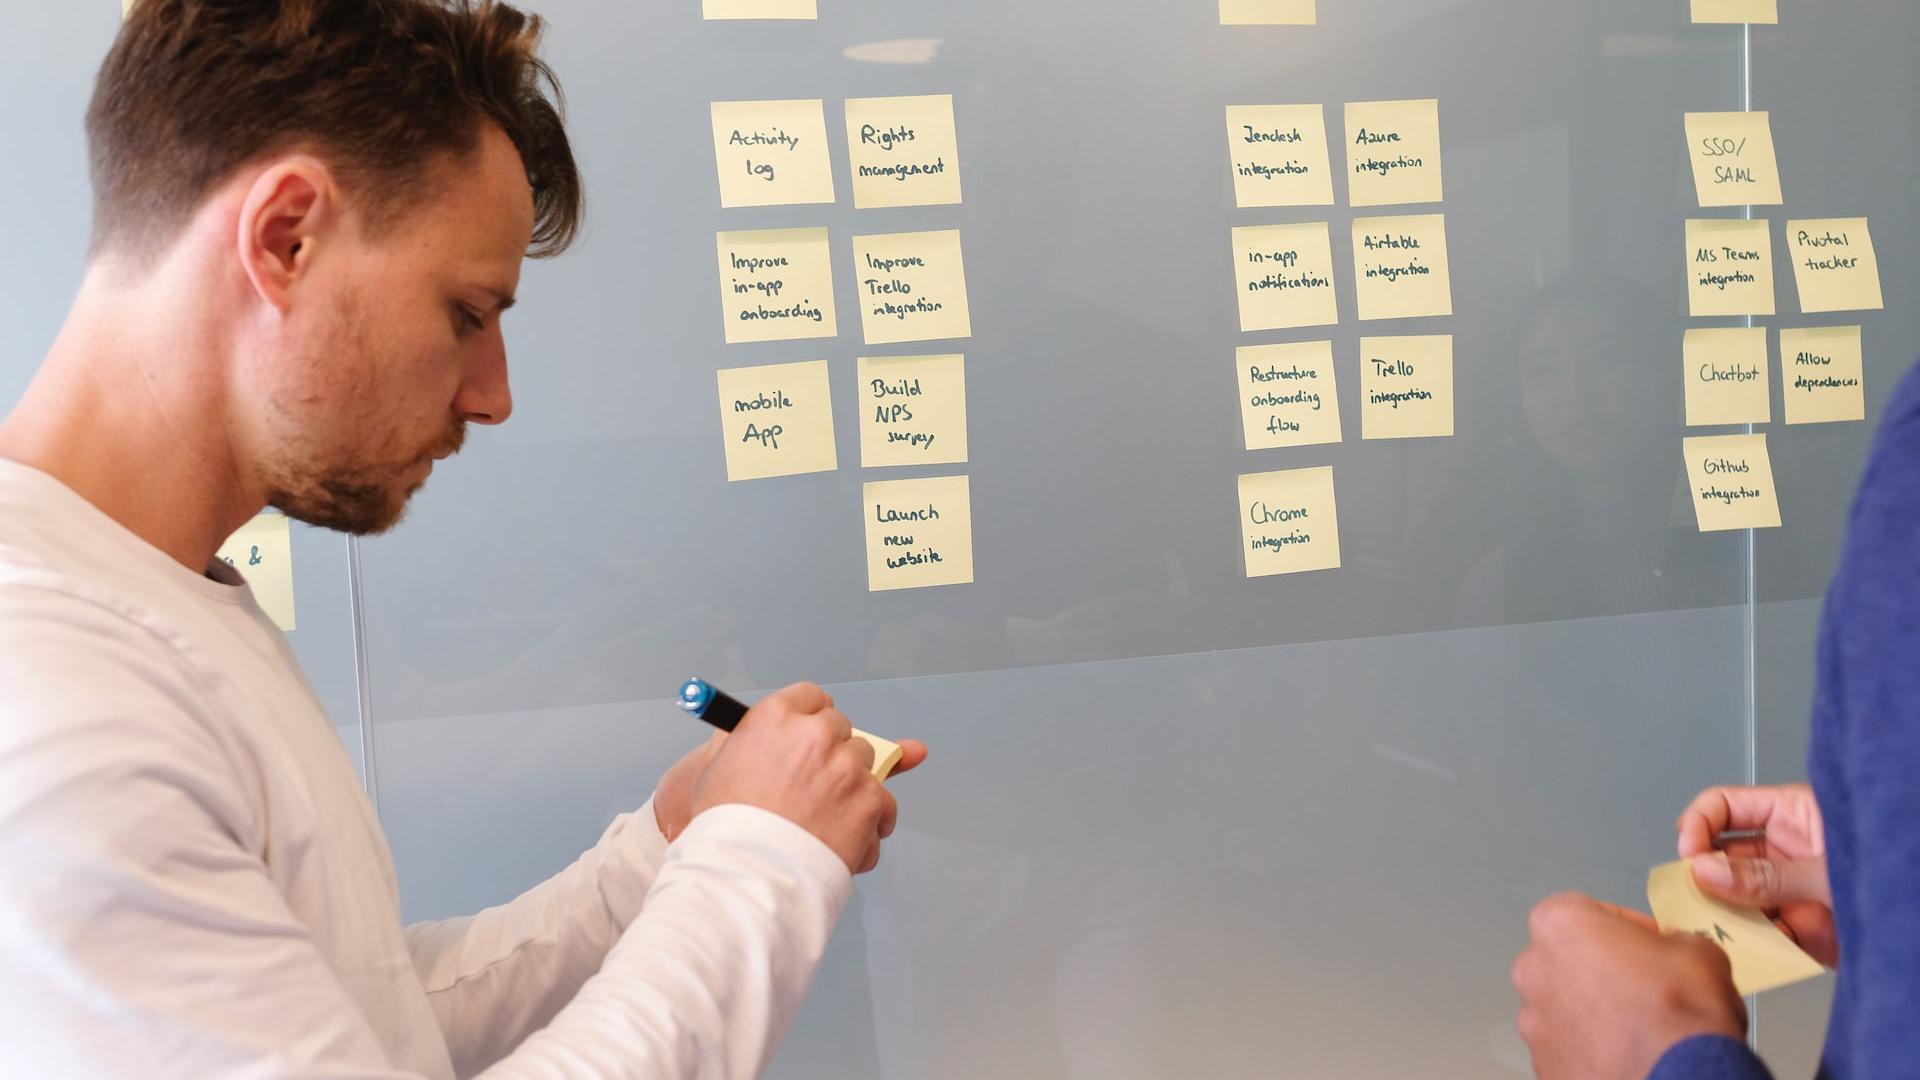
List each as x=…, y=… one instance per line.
x=484, y=396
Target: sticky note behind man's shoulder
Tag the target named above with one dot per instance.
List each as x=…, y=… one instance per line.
x=262, y=551
x=1763, y=957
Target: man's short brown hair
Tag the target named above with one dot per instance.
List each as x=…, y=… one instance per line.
x=195, y=89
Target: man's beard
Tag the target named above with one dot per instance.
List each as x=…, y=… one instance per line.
x=357, y=499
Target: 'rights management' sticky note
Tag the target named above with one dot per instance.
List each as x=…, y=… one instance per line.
x=1736, y=11
x=1267, y=13
x=263, y=553
x=1729, y=267
x=1834, y=265
x=904, y=151
x=1733, y=158
x=1279, y=155
x=1288, y=522
x=1285, y=276
x=1726, y=376
x=772, y=153
x=919, y=533
x=1287, y=394
x=1822, y=376
x=912, y=287
x=759, y=9
x=1406, y=387
x=913, y=410
x=1763, y=957
x=1732, y=481
x=1400, y=267
x=1393, y=152
x=775, y=285
x=777, y=420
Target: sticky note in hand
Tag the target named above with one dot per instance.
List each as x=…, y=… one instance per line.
x=886, y=754
x=1763, y=957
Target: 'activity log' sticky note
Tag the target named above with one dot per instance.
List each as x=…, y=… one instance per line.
x=775, y=285
x=1285, y=276
x=262, y=551
x=1287, y=394
x=919, y=533
x=1726, y=376
x=1267, y=13
x=1279, y=155
x=772, y=153
x=777, y=420
x=904, y=151
x=912, y=287
x=1736, y=11
x=1400, y=267
x=1763, y=957
x=1834, y=265
x=1822, y=374
x=1288, y=522
x=1733, y=158
x=1732, y=481
x=913, y=410
x=1406, y=387
x=1393, y=152
x=1729, y=267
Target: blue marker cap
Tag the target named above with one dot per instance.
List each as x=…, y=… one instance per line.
x=696, y=695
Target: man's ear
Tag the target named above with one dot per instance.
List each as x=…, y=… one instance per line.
x=291, y=209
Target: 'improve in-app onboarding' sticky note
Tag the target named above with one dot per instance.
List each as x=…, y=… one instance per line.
x=775, y=285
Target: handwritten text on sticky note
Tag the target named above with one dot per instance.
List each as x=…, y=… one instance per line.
x=262, y=551
x=1393, y=152
x=1284, y=274
x=1822, y=376
x=1729, y=267
x=1726, y=376
x=919, y=532
x=1834, y=265
x=913, y=410
x=1400, y=267
x=1406, y=387
x=1733, y=158
x=777, y=420
x=912, y=287
x=1287, y=394
x=771, y=153
x=775, y=285
x=1732, y=481
x=1763, y=957
x=1279, y=155
x=1288, y=522
x=904, y=151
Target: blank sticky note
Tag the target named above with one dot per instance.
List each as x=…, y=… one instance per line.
x=1279, y=155
x=262, y=551
x=775, y=285
x=904, y=151
x=1393, y=152
x=1726, y=376
x=1736, y=11
x=759, y=9
x=1267, y=13
x=1406, y=387
x=1400, y=267
x=886, y=753
x=1729, y=267
x=1763, y=957
x=1287, y=394
x=1822, y=375
x=919, y=533
x=1285, y=276
x=772, y=153
x=1733, y=158
x=1288, y=522
x=913, y=410
x=1834, y=265
x=777, y=420
x=912, y=287
x=1731, y=477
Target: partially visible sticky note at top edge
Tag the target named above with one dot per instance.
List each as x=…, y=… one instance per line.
x=262, y=552
x=886, y=754
x=759, y=9
x=1765, y=12
x=1268, y=13
x=1763, y=958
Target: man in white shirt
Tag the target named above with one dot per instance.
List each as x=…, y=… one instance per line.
x=309, y=217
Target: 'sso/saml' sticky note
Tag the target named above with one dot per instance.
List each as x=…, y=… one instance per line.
x=1279, y=155
x=1729, y=267
x=775, y=285
x=1763, y=957
x=1733, y=158
x=772, y=153
x=262, y=551
x=919, y=532
x=777, y=420
x=1288, y=522
x=1726, y=376
x=1732, y=481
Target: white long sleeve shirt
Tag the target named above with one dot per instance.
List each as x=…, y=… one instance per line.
x=193, y=884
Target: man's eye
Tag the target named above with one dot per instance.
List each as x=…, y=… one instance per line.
x=468, y=320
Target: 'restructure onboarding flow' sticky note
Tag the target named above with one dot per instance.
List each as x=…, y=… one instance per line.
x=1393, y=152
x=1279, y=155
x=1267, y=13
x=1400, y=267
x=262, y=551
x=919, y=533
x=912, y=287
x=759, y=9
x=772, y=153
x=1726, y=376
x=904, y=151
x=775, y=285
x=1733, y=158
x=1736, y=11
x=1729, y=267
x=777, y=420
x=913, y=410
x=1285, y=276
x=1763, y=957
x=1732, y=481
x=1822, y=375
x=1287, y=394
x=1406, y=387
x=1834, y=265
x=1288, y=522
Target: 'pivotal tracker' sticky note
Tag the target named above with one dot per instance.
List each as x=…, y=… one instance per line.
x=1284, y=274
x=772, y=153
x=1729, y=267
x=913, y=410
x=1732, y=481
x=262, y=551
x=1763, y=957
x=919, y=532
x=1288, y=522
x=904, y=151
x=1267, y=13
x=1733, y=158
x=1834, y=265
x=777, y=420
x=1279, y=155
x=1726, y=376
x=1287, y=395
x=1393, y=152
x=1822, y=374
x=1400, y=267
x=912, y=287
x=775, y=285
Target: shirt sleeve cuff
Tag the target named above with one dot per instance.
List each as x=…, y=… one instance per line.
x=764, y=829
x=1709, y=1057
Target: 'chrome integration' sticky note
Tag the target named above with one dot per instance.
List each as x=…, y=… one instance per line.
x=1288, y=522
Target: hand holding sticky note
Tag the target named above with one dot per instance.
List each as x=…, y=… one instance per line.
x=706, y=701
x=1763, y=957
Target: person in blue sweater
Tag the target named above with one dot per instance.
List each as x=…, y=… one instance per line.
x=1605, y=995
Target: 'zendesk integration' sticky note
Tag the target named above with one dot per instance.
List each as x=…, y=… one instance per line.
x=1726, y=376
x=1834, y=265
x=1733, y=158
x=912, y=287
x=1284, y=274
x=775, y=285
x=1267, y=13
x=1279, y=155
x=772, y=153
x=1287, y=394
x=1822, y=374
x=1729, y=267
x=262, y=551
x=1393, y=152
x=1400, y=267
x=759, y=9
x=1732, y=481
x=1763, y=957
x=1288, y=522
x=904, y=151
x=777, y=420
x=1406, y=387
x=1736, y=11
x=919, y=532
x=913, y=410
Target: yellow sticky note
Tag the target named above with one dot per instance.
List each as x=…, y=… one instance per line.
x=913, y=410
x=777, y=420
x=1285, y=276
x=1726, y=376
x=886, y=753
x=772, y=153
x=912, y=287
x=776, y=285
x=1733, y=158
x=1279, y=155
x=904, y=150
x=262, y=551
x=1393, y=152
x=1736, y=11
x=759, y=9
x=1729, y=267
x=1763, y=957
x=919, y=533
x=1267, y=13
x=1406, y=387
x=1834, y=264
x=1400, y=267
x=1732, y=481
x=1287, y=394
x=1288, y=522
x=1822, y=374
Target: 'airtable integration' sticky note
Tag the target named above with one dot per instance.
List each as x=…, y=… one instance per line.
x=1406, y=387
x=1284, y=274
x=1731, y=477
x=775, y=285
x=1736, y=11
x=904, y=151
x=1279, y=155
x=1822, y=374
x=1729, y=267
x=1763, y=957
x=759, y=9
x=1733, y=158
x=1393, y=152
x=1267, y=13
x=1287, y=394
x=777, y=420
x=913, y=410
x=1834, y=265
x=1726, y=376
x=772, y=153
x=262, y=551
x=919, y=532
x=1288, y=522
x=912, y=287
x=1400, y=267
